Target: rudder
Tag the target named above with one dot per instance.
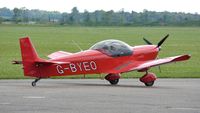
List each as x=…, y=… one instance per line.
x=29, y=56
x=28, y=51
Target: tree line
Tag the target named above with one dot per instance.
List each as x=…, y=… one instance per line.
x=98, y=17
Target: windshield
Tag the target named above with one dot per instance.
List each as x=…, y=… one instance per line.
x=114, y=48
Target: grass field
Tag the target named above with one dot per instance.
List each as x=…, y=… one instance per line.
x=49, y=39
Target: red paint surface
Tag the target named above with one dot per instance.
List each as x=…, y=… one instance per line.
x=149, y=77
x=89, y=61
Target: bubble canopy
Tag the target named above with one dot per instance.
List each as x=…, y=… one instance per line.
x=113, y=48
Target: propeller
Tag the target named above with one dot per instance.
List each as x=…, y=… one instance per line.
x=148, y=42
x=159, y=43
x=158, y=46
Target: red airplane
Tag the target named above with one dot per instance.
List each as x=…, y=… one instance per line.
x=110, y=57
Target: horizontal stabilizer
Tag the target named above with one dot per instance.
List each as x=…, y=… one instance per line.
x=16, y=62
x=47, y=62
x=41, y=62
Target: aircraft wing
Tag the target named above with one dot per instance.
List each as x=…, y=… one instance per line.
x=157, y=62
x=59, y=54
x=142, y=65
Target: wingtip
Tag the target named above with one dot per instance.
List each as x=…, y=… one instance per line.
x=25, y=37
x=182, y=58
x=189, y=56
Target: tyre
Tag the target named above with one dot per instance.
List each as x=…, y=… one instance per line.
x=149, y=83
x=114, y=82
x=33, y=84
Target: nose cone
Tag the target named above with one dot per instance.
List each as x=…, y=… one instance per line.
x=159, y=48
x=155, y=47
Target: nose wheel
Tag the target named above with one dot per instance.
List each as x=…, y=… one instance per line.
x=35, y=81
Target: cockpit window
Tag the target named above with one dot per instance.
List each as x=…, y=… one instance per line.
x=114, y=48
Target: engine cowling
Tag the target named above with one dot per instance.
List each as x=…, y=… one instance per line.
x=149, y=77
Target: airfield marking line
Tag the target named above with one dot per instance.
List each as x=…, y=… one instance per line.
x=184, y=108
x=34, y=97
x=5, y=103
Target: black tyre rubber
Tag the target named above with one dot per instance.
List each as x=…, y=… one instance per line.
x=149, y=83
x=33, y=84
x=114, y=82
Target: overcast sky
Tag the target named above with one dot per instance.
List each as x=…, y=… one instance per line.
x=188, y=6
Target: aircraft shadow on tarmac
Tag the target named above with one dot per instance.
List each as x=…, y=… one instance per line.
x=68, y=85
x=108, y=85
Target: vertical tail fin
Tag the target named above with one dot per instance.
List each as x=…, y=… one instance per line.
x=29, y=56
x=28, y=51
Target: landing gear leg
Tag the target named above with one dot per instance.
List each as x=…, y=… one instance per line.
x=35, y=81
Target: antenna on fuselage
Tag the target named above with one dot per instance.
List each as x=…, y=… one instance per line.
x=77, y=45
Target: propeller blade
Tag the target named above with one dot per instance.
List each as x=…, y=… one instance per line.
x=161, y=41
x=148, y=42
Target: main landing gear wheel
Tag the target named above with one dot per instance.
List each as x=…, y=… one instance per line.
x=114, y=82
x=149, y=83
x=113, y=78
x=35, y=81
x=148, y=79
